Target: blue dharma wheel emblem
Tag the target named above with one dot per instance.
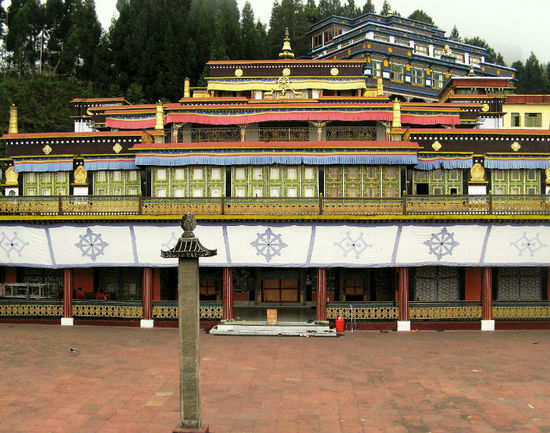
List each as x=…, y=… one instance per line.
x=268, y=244
x=355, y=245
x=12, y=244
x=529, y=245
x=91, y=245
x=442, y=244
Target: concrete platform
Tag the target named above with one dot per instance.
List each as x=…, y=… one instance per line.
x=288, y=329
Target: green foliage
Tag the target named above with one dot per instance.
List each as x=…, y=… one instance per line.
x=532, y=76
x=43, y=102
x=455, y=35
x=386, y=9
x=420, y=15
x=368, y=8
x=289, y=13
x=493, y=56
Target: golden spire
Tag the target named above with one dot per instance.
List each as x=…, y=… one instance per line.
x=396, y=122
x=379, y=87
x=471, y=73
x=159, y=119
x=187, y=88
x=286, y=52
x=13, y=128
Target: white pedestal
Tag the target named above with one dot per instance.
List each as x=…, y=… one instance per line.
x=487, y=325
x=67, y=321
x=11, y=191
x=403, y=326
x=547, y=189
x=477, y=189
x=147, y=324
x=80, y=190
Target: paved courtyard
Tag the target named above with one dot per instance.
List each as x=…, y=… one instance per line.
x=117, y=380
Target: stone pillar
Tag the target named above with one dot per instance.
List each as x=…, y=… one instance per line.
x=147, y=299
x=487, y=322
x=321, y=294
x=228, y=312
x=404, y=322
x=189, y=325
x=67, y=319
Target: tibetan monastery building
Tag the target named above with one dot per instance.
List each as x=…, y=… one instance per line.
x=323, y=197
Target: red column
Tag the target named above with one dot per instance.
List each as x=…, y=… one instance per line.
x=487, y=294
x=321, y=294
x=68, y=293
x=147, y=298
x=403, y=294
x=227, y=295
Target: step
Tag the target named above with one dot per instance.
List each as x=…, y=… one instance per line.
x=291, y=329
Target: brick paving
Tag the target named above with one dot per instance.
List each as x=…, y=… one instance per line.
x=124, y=380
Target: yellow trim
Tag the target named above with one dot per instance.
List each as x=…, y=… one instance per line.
x=276, y=217
x=297, y=77
x=297, y=85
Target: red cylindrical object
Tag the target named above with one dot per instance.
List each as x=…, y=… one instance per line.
x=340, y=323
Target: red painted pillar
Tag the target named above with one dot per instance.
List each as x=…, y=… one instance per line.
x=487, y=294
x=403, y=294
x=321, y=294
x=147, y=298
x=67, y=319
x=227, y=295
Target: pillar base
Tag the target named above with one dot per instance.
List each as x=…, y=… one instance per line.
x=487, y=325
x=403, y=326
x=202, y=429
x=144, y=323
x=67, y=321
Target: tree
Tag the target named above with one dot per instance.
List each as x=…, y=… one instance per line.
x=289, y=13
x=493, y=56
x=532, y=78
x=350, y=10
x=386, y=8
x=455, y=35
x=368, y=7
x=330, y=7
x=420, y=15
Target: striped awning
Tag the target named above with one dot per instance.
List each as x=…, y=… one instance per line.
x=444, y=162
x=98, y=163
x=43, y=164
x=506, y=162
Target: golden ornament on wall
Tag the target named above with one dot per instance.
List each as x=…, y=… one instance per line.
x=547, y=171
x=117, y=148
x=408, y=67
x=47, y=149
x=238, y=72
x=515, y=146
x=485, y=108
x=334, y=71
x=477, y=173
x=436, y=146
x=286, y=72
x=11, y=176
x=386, y=63
x=80, y=175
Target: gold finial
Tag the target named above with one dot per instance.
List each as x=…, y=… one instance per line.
x=13, y=127
x=471, y=72
x=396, y=122
x=286, y=52
x=379, y=87
x=477, y=173
x=187, y=88
x=159, y=120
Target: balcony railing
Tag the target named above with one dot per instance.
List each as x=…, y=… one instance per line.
x=283, y=134
x=364, y=133
x=215, y=134
x=155, y=206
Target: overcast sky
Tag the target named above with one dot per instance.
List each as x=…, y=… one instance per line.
x=515, y=28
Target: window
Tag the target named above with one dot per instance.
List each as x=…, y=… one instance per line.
x=372, y=172
x=132, y=191
x=46, y=191
x=438, y=52
x=216, y=192
x=180, y=192
x=216, y=173
x=161, y=192
x=45, y=177
x=516, y=120
x=422, y=189
x=396, y=72
x=30, y=192
x=274, y=173
x=381, y=37
x=60, y=176
x=292, y=173
x=308, y=173
x=418, y=76
x=438, y=80
x=197, y=192
x=475, y=60
x=118, y=191
x=132, y=175
x=402, y=41
x=377, y=68
x=308, y=192
x=421, y=49
x=240, y=173
x=30, y=177
x=257, y=173
x=533, y=120
x=100, y=191
x=117, y=175
x=240, y=191
x=197, y=175
x=161, y=175
x=459, y=57
x=275, y=192
x=180, y=174
x=258, y=192
x=292, y=192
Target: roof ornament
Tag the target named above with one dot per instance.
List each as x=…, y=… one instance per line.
x=396, y=121
x=13, y=127
x=286, y=52
x=159, y=118
x=471, y=72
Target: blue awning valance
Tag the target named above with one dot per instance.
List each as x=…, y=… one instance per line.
x=446, y=162
x=40, y=164
x=109, y=163
x=509, y=163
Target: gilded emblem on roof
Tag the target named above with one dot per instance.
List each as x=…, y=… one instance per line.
x=286, y=72
x=238, y=72
x=117, y=148
x=515, y=146
x=436, y=146
x=47, y=149
x=334, y=72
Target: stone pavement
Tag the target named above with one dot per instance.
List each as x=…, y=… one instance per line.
x=119, y=380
